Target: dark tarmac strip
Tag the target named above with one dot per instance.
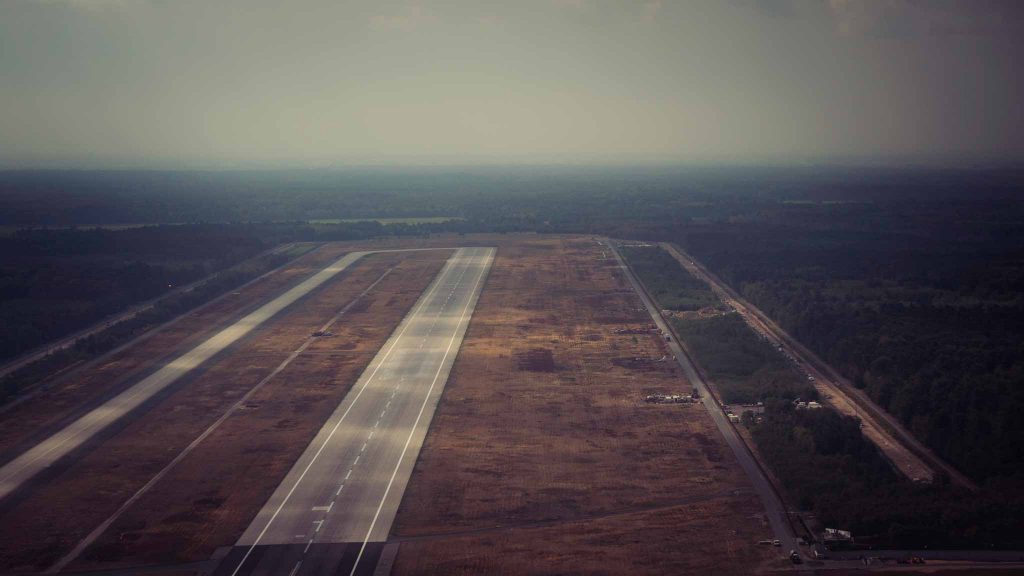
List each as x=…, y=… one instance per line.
x=339, y=559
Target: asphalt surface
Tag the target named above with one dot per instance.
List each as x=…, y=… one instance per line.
x=333, y=511
x=775, y=511
x=22, y=468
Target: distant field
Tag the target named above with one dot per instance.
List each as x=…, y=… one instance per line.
x=8, y=229
x=415, y=220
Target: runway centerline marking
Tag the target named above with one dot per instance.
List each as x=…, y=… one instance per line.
x=337, y=425
x=413, y=429
x=400, y=367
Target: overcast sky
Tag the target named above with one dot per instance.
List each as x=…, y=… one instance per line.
x=309, y=83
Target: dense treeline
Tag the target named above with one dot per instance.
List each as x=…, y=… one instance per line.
x=821, y=458
x=921, y=305
x=56, y=281
x=827, y=466
x=53, y=282
x=168, y=308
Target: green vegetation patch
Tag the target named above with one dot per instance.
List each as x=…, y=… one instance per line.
x=827, y=466
x=670, y=285
x=744, y=366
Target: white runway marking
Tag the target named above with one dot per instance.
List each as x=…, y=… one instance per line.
x=396, y=396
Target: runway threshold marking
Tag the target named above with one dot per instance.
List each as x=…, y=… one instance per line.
x=337, y=425
x=419, y=416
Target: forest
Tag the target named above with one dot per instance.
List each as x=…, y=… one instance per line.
x=822, y=460
x=921, y=304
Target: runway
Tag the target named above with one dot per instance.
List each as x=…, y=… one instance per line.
x=49, y=451
x=335, y=508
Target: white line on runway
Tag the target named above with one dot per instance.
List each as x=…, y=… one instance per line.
x=412, y=431
x=337, y=425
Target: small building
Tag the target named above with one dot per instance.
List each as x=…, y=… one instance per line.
x=835, y=539
x=755, y=408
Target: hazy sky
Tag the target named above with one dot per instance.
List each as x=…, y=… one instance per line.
x=252, y=82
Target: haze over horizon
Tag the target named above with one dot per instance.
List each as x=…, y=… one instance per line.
x=145, y=83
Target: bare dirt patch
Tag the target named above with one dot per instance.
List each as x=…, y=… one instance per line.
x=536, y=360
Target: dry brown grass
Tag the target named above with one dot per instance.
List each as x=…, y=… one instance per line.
x=543, y=457
x=212, y=495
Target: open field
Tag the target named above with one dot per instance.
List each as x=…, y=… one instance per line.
x=413, y=220
x=209, y=497
x=543, y=456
